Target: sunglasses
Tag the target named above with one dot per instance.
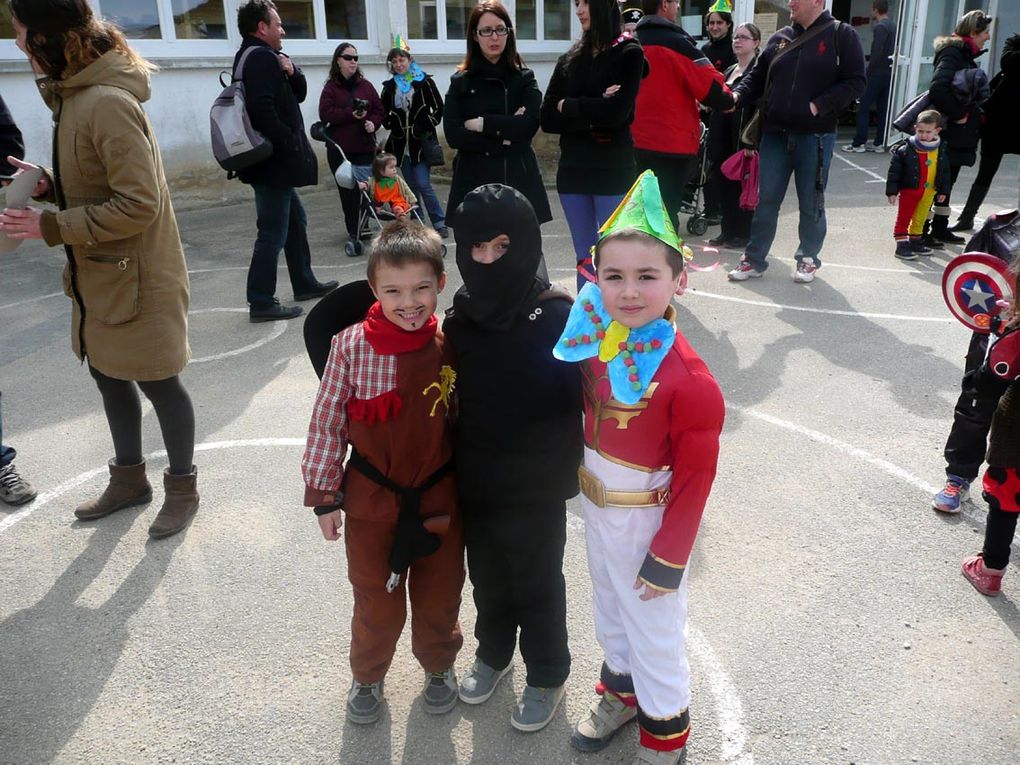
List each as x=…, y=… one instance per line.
x=348, y=57
x=490, y=31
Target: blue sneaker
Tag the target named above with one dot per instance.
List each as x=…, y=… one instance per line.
x=948, y=500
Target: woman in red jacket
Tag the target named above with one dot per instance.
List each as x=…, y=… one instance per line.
x=351, y=105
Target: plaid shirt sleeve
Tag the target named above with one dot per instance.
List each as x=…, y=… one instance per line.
x=353, y=370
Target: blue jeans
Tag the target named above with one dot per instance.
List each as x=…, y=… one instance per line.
x=7, y=453
x=806, y=156
x=875, y=92
x=281, y=225
x=585, y=215
x=419, y=179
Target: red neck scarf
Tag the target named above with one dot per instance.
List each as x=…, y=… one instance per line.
x=387, y=338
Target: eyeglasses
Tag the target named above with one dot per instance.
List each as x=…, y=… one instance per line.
x=348, y=57
x=490, y=31
x=742, y=37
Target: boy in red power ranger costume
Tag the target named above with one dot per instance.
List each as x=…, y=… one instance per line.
x=653, y=414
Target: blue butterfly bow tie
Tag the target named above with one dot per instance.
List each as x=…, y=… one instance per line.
x=632, y=356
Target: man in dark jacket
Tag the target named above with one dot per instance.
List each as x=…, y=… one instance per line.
x=274, y=89
x=666, y=126
x=883, y=41
x=812, y=70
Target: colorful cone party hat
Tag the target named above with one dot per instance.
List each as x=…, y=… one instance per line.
x=642, y=210
x=721, y=6
x=400, y=44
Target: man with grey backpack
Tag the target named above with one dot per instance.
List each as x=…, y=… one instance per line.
x=808, y=73
x=274, y=88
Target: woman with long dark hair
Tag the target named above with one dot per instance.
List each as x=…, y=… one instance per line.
x=413, y=108
x=590, y=104
x=125, y=271
x=724, y=140
x=492, y=114
x=962, y=132
x=350, y=104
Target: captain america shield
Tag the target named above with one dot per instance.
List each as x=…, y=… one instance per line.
x=972, y=285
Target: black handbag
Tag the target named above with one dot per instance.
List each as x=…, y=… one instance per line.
x=432, y=151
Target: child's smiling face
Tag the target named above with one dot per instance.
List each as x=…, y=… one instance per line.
x=408, y=294
x=636, y=281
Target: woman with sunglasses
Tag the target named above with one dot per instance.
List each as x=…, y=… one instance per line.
x=351, y=105
x=724, y=140
x=962, y=132
x=413, y=108
x=590, y=104
x=491, y=114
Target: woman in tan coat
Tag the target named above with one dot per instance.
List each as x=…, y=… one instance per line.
x=125, y=271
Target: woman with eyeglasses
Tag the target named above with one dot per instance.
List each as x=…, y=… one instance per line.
x=351, y=105
x=413, y=108
x=491, y=114
x=590, y=104
x=957, y=53
x=724, y=140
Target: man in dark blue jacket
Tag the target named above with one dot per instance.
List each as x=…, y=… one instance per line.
x=808, y=73
x=883, y=42
x=274, y=89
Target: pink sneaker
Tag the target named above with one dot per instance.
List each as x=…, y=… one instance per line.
x=987, y=581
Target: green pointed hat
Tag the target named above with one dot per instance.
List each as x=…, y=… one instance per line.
x=399, y=43
x=642, y=210
x=721, y=6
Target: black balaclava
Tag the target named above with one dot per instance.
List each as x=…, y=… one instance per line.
x=494, y=294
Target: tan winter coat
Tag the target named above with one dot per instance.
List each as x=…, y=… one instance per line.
x=126, y=273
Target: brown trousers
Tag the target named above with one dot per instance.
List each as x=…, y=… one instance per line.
x=434, y=584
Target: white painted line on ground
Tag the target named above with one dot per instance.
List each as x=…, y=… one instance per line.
x=279, y=327
x=855, y=166
x=831, y=311
x=26, y=301
x=881, y=269
x=48, y=496
x=728, y=709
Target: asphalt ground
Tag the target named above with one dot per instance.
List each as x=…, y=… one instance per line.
x=829, y=622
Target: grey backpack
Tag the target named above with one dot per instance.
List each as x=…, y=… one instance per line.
x=235, y=143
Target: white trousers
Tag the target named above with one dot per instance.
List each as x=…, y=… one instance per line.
x=644, y=639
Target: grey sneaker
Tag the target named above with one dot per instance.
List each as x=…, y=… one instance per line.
x=536, y=708
x=481, y=682
x=440, y=691
x=14, y=490
x=646, y=756
x=607, y=715
x=364, y=702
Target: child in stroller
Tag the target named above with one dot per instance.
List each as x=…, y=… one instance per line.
x=388, y=188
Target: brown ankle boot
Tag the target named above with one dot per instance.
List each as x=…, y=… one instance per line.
x=128, y=487
x=179, y=505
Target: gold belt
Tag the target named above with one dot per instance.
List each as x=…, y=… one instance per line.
x=596, y=491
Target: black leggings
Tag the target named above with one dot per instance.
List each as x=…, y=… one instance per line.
x=124, y=414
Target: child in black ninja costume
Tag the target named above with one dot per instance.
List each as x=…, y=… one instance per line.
x=518, y=444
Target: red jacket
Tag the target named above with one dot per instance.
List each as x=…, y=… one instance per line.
x=666, y=118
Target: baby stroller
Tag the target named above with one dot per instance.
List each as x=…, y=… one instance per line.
x=697, y=224
x=370, y=219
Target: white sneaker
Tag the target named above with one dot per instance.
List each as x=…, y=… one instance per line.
x=875, y=147
x=744, y=271
x=850, y=148
x=805, y=271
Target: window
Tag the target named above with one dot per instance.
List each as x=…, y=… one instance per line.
x=6, y=27
x=138, y=18
x=556, y=16
x=199, y=20
x=526, y=20
x=346, y=20
x=298, y=17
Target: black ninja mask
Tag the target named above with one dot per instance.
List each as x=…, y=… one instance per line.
x=494, y=294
